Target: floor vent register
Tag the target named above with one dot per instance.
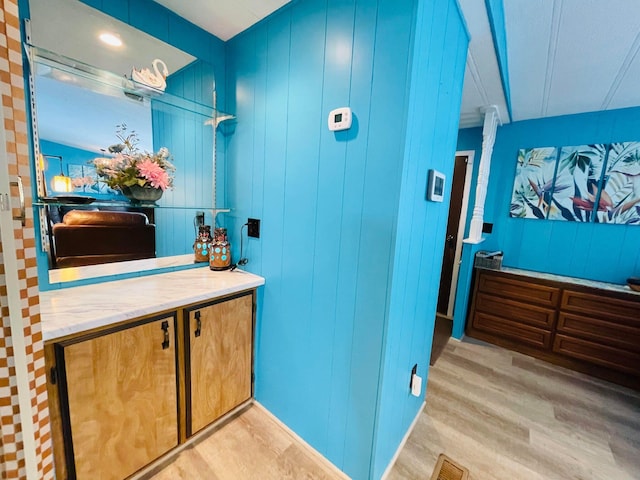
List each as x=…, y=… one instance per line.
x=447, y=469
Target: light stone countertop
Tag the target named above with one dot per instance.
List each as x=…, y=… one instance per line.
x=73, y=310
x=611, y=287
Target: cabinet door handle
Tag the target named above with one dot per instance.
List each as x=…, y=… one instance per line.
x=198, y=325
x=165, y=329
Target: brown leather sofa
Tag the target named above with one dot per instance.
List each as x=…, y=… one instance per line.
x=87, y=237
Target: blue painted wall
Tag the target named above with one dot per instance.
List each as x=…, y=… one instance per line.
x=438, y=66
x=607, y=253
x=350, y=248
x=184, y=133
x=330, y=205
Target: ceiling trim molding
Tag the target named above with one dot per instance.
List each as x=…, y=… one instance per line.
x=497, y=25
x=622, y=72
x=477, y=80
x=556, y=20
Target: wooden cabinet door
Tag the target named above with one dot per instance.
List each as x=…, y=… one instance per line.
x=122, y=400
x=220, y=353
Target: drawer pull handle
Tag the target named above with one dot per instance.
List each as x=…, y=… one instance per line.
x=165, y=329
x=198, y=325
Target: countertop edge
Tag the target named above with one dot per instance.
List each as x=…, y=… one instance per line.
x=81, y=309
x=610, y=287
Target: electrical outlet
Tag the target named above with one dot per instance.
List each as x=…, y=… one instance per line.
x=199, y=218
x=415, y=384
x=253, y=228
x=414, y=371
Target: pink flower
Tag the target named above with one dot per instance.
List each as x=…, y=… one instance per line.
x=154, y=174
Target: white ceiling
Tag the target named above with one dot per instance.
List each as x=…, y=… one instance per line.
x=69, y=112
x=572, y=56
x=482, y=84
x=564, y=57
x=224, y=18
x=71, y=28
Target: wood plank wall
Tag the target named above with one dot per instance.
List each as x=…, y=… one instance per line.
x=438, y=66
x=329, y=202
x=191, y=143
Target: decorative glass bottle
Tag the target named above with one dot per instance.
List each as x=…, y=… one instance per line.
x=220, y=258
x=202, y=244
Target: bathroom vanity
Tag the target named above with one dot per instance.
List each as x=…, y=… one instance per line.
x=137, y=367
x=591, y=327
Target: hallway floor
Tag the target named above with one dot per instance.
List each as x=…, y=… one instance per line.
x=503, y=415
x=507, y=416
x=251, y=446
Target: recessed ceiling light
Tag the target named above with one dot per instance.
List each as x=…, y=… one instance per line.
x=110, y=39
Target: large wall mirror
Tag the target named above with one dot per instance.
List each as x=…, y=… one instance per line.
x=83, y=96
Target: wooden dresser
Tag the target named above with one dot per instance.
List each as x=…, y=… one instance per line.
x=581, y=327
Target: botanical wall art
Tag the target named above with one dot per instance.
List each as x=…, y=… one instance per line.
x=567, y=183
x=576, y=183
x=620, y=199
x=534, y=179
x=84, y=178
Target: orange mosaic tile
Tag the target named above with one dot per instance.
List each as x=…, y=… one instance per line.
x=12, y=455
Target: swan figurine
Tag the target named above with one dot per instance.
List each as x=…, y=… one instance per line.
x=155, y=79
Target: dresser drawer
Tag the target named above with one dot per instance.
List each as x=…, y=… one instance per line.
x=536, y=337
x=516, y=311
x=518, y=289
x=600, y=331
x=610, y=357
x=627, y=311
x=581, y=327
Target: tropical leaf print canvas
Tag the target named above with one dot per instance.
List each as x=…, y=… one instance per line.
x=620, y=197
x=534, y=179
x=575, y=187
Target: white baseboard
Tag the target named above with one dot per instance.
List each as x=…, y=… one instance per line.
x=312, y=451
x=402, y=443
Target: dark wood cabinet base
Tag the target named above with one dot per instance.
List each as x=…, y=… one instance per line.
x=592, y=331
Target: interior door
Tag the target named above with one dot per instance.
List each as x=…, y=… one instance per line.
x=449, y=256
x=122, y=396
x=220, y=359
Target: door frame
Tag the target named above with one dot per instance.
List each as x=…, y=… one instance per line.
x=470, y=154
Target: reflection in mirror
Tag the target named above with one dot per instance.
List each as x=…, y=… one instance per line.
x=79, y=106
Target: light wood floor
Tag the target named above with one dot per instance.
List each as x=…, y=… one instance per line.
x=503, y=415
x=251, y=446
x=508, y=416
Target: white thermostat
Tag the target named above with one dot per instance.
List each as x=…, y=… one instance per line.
x=340, y=119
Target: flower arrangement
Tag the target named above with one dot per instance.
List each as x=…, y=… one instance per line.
x=129, y=166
